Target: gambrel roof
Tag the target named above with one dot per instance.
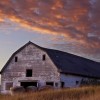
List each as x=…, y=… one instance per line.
x=67, y=63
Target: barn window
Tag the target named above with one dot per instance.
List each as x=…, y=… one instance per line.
x=16, y=59
x=29, y=73
x=77, y=82
x=44, y=57
x=9, y=85
x=50, y=83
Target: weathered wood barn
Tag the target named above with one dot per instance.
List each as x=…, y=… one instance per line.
x=32, y=65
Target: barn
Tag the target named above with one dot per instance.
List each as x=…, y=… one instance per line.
x=32, y=65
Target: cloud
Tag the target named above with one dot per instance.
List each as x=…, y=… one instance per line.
x=72, y=19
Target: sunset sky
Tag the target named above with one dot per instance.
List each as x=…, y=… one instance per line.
x=69, y=25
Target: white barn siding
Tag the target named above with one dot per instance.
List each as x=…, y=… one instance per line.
x=71, y=80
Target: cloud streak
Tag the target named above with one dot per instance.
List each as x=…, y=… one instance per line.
x=76, y=20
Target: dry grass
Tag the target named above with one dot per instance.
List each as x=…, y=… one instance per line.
x=84, y=93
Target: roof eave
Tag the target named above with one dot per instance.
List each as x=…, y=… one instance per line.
x=80, y=75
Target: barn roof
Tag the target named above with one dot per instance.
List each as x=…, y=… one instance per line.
x=68, y=63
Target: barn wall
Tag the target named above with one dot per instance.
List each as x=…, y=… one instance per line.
x=30, y=58
x=71, y=80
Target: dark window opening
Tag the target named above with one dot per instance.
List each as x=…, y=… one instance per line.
x=29, y=73
x=16, y=59
x=50, y=83
x=27, y=84
x=62, y=84
x=9, y=85
x=44, y=57
x=77, y=82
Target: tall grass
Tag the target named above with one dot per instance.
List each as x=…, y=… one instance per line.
x=84, y=93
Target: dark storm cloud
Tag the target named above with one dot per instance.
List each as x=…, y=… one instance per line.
x=76, y=20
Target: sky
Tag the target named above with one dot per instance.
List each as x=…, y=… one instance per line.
x=72, y=26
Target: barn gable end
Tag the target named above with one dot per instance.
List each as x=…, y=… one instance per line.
x=29, y=58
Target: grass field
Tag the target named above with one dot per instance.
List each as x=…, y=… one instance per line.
x=84, y=93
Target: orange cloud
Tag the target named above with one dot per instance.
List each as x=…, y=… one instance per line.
x=72, y=19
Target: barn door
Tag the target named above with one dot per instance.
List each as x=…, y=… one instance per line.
x=26, y=84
